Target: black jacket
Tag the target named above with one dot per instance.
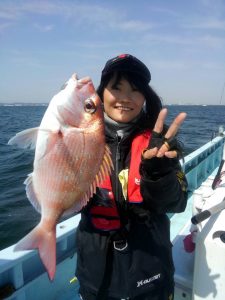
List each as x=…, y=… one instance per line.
x=145, y=265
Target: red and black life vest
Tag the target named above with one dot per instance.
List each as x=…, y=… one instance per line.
x=107, y=217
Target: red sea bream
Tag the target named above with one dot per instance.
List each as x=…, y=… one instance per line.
x=71, y=159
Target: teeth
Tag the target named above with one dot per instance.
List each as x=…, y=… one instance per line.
x=123, y=108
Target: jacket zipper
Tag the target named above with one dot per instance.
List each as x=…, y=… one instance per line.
x=121, y=205
x=118, y=158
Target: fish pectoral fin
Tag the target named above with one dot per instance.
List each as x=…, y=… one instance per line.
x=31, y=195
x=25, y=139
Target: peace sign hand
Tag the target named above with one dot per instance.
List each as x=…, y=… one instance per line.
x=170, y=134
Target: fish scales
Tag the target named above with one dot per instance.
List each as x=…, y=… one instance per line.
x=71, y=159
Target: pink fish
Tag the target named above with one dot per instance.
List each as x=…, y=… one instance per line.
x=71, y=159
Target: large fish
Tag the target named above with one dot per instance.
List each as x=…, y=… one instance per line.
x=71, y=159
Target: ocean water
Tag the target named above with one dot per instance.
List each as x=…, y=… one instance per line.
x=17, y=216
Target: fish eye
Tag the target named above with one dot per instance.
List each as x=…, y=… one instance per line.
x=89, y=106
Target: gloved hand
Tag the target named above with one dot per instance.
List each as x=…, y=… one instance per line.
x=162, y=154
x=164, y=144
x=158, y=140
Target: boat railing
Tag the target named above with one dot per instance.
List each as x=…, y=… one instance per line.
x=202, y=162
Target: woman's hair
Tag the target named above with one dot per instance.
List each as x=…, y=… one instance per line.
x=153, y=103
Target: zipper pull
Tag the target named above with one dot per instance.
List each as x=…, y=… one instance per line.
x=118, y=156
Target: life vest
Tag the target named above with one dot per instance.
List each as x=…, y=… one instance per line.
x=107, y=217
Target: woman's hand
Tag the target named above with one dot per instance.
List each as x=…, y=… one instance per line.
x=170, y=134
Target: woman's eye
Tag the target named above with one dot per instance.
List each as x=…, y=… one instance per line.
x=89, y=106
x=134, y=89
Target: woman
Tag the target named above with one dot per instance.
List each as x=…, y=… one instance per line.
x=123, y=239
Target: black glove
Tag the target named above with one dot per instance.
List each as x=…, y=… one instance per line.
x=158, y=167
x=158, y=139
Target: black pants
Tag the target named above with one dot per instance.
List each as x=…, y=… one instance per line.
x=156, y=295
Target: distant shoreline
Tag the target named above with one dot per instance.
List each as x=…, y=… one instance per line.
x=46, y=104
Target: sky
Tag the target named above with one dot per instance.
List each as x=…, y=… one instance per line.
x=42, y=43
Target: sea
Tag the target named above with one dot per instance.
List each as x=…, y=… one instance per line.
x=17, y=216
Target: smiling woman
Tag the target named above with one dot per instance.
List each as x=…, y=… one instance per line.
x=125, y=79
x=132, y=260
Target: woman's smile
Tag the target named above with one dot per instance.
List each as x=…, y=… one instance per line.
x=123, y=108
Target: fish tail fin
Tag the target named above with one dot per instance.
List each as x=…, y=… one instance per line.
x=45, y=242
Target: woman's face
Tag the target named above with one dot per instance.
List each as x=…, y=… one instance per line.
x=122, y=102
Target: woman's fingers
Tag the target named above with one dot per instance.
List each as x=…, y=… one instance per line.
x=174, y=127
x=150, y=153
x=162, y=150
x=160, y=121
x=171, y=154
x=171, y=132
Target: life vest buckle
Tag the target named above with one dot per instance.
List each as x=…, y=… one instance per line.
x=120, y=245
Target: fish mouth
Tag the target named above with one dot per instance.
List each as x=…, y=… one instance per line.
x=75, y=77
x=81, y=81
x=85, y=80
x=85, y=84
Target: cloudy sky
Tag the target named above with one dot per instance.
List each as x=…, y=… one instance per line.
x=182, y=42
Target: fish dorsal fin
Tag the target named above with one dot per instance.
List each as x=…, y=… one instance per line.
x=104, y=171
x=31, y=195
x=25, y=139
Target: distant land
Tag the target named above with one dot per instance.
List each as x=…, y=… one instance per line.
x=47, y=103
